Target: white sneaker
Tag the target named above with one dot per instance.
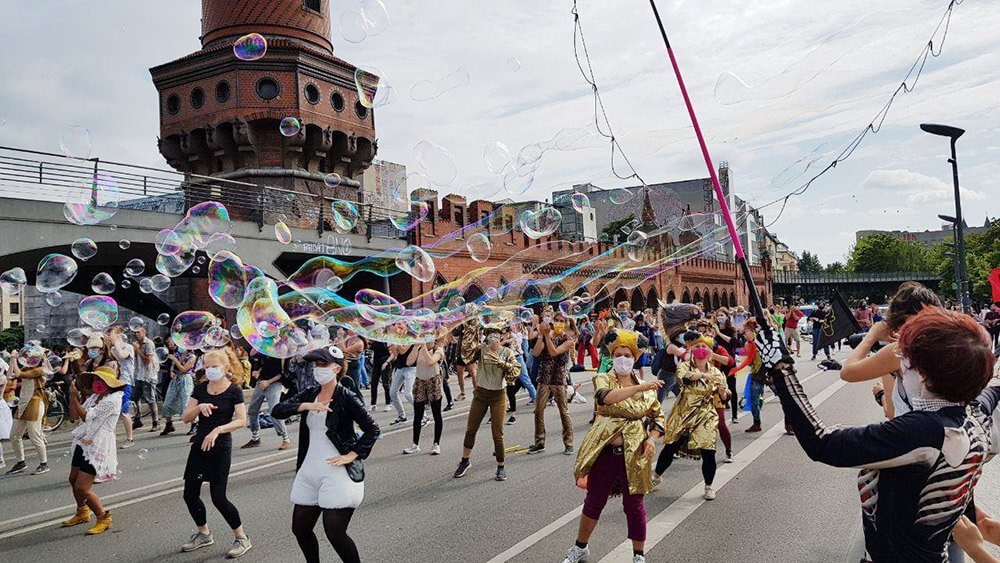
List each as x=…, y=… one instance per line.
x=638, y=558
x=387, y=408
x=436, y=449
x=709, y=493
x=412, y=449
x=128, y=444
x=577, y=554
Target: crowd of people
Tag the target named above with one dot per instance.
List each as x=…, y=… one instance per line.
x=686, y=351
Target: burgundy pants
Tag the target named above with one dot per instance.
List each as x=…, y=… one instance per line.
x=608, y=470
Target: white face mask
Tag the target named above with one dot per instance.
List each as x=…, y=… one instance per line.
x=213, y=373
x=324, y=375
x=913, y=383
x=623, y=365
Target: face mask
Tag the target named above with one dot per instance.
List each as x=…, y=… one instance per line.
x=546, y=319
x=701, y=353
x=91, y=353
x=99, y=387
x=324, y=375
x=912, y=383
x=559, y=327
x=623, y=315
x=213, y=373
x=722, y=318
x=623, y=364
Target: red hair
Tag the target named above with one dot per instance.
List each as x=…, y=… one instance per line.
x=751, y=324
x=950, y=350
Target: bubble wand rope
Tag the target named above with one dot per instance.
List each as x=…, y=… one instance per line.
x=741, y=258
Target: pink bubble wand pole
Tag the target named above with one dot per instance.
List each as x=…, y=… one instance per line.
x=741, y=258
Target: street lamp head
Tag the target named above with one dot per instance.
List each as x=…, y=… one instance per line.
x=942, y=130
x=947, y=218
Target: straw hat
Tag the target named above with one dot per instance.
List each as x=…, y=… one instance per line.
x=107, y=374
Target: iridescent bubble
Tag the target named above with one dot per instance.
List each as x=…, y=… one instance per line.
x=513, y=64
x=167, y=242
x=437, y=162
x=544, y=222
x=98, y=311
x=196, y=270
x=162, y=353
x=103, y=284
x=250, y=47
x=163, y=318
x=173, y=266
x=374, y=16
x=219, y=242
x=54, y=299
x=12, y=281
x=345, y=216
x=620, y=196
x=332, y=180
x=76, y=143
x=376, y=306
x=518, y=179
x=201, y=223
x=126, y=283
x=580, y=201
x=143, y=453
x=200, y=259
x=216, y=337
x=135, y=267
x=31, y=355
x=84, y=248
x=409, y=221
x=427, y=89
x=290, y=126
x=637, y=245
x=497, y=157
x=189, y=329
x=479, y=247
x=93, y=201
x=228, y=278
x=40, y=328
x=630, y=226
x=415, y=261
x=76, y=337
x=135, y=323
x=372, y=86
x=526, y=315
x=576, y=307
x=159, y=283
x=282, y=233
x=112, y=228
x=530, y=154
x=55, y=271
x=234, y=332
x=146, y=285
x=352, y=26
x=124, y=244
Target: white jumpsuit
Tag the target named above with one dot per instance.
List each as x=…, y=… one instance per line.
x=318, y=483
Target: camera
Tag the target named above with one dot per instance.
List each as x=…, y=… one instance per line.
x=855, y=339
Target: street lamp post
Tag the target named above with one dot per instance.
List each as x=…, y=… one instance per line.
x=953, y=133
x=954, y=256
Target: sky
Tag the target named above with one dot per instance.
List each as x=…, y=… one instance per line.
x=777, y=84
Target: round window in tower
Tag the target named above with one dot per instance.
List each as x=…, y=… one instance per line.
x=337, y=101
x=267, y=88
x=173, y=104
x=361, y=110
x=222, y=92
x=197, y=98
x=312, y=94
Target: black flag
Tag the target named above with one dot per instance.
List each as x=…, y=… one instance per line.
x=839, y=324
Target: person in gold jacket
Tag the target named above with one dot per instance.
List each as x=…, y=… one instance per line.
x=693, y=422
x=30, y=413
x=616, y=455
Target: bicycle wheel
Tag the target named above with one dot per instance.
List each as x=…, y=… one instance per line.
x=55, y=415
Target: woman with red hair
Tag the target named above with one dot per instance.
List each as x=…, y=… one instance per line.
x=918, y=469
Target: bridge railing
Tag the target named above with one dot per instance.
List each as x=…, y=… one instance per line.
x=783, y=277
x=42, y=176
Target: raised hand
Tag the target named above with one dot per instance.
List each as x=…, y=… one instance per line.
x=206, y=409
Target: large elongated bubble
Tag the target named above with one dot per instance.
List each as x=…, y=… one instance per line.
x=228, y=278
x=55, y=271
x=98, y=311
x=415, y=261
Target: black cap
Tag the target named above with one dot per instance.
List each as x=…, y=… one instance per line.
x=326, y=356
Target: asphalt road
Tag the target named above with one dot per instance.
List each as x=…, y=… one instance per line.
x=773, y=504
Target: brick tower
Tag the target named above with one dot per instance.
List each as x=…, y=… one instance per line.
x=219, y=115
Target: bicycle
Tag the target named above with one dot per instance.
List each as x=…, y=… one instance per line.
x=56, y=410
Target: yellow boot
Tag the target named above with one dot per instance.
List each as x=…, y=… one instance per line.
x=103, y=524
x=82, y=516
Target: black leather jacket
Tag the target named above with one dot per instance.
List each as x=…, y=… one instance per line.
x=345, y=410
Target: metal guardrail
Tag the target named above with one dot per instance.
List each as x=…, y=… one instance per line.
x=42, y=176
x=784, y=277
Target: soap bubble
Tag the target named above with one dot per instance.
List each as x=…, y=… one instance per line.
x=55, y=271
x=219, y=242
x=135, y=267
x=415, y=261
x=526, y=315
x=620, y=196
x=76, y=143
x=479, y=247
x=409, y=221
x=216, y=337
x=135, y=323
x=40, y=329
x=530, y=154
x=375, y=306
x=84, y=248
x=146, y=285
x=112, y=228
x=31, y=355
x=54, y=298
x=228, y=278
x=126, y=283
x=196, y=270
x=93, y=201
x=426, y=89
x=518, y=179
x=200, y=259
x=124, y=244
x=352, y=27
x=190, y=328
x=12, y=281
x=143, y=453
x=497, y=157
x=167, y=242
x=103, y=284
x=250, y=47
x=159, y=282
x=540, y=223
x=290, y=126
x=637, y=245
x=513, y=64
x=372, y=86
x=345, y=216
x=580, y=201
x=375, y=16
x=98, y=311
x=162, y=319
x=282, y=233
x=201, y=223
x=175, y=265
x=437, y=162
x=76, y=337
x=332, y=180
x=162, y=354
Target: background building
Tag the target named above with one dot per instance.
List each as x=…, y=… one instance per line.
x=926, y=237
x=11, y=310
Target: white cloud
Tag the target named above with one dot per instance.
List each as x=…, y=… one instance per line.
x=832, y=211
x=903, y=180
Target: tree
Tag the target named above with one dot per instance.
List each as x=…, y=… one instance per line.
x=809, y=262
x=982, y=254
x=613, y=232
x=12, y=338
x=885, y=253
x=835, y=268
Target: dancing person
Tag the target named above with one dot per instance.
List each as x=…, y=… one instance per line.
x=792, y=335
x=919, y=468
x=427, y=390
x=818, y=318
x=6, y=418
x=722, y=361
x=673, y=320
x=93, y=445
x=585, y=344
x=218, y=405
x=555, y=340
x=29, y=414
x=268, y=388
x=468, y=336
x=119, y=350
x=329, y=473
x=381, y=374
x=404, y=372
x=725, y=335
x=616, y=454
x=694, y=420
x=516, y=339
x=757, y=375
x=181, y=369
x=500, y=367
x=147, y=373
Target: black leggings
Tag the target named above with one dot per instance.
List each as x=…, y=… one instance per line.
x=734, y=398
x=667, y=457
x=192, y=497
x=335, y=521
x=418, y=416
x=379, y=374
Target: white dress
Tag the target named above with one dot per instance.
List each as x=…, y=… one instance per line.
x=99, y=430
x=6, y=418
x=318, y=483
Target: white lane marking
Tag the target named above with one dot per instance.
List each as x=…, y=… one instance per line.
x=663, y=523
x=536, y=537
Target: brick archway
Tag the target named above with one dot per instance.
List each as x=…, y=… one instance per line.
x=686, y=296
